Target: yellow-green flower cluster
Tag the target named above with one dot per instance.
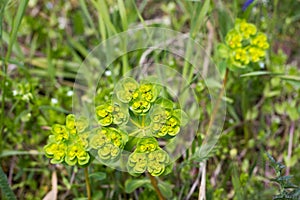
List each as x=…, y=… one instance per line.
x=126, y=88
x=140, y=97
x=108, y=142
x=148, y=156
x=134, y=119
x=108, y=114
x=68, y=143
x=165, y=122
x=244, y=44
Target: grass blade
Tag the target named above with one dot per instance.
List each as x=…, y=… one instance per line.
x=198, y=21
x=103, y=11
x=123, y=15
x=260, y=73
x=87, y=15
x=15, y=27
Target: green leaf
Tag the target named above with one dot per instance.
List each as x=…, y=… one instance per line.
x=104, y=12
x=15, y=27
x=123, y=15
x=165, y=103
x=238, y=188
x=223, y=51
x=293, y=80
x=86, y=13
x=99, y=176
x=260, y=73
x=166, y=189
x=133, y=184
x=290, y=78
x=181, y=116
x=292, y=112
x=6, y=190
x=199, y=17
x=6, y=153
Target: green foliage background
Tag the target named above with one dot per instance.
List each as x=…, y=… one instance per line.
x=43, y=44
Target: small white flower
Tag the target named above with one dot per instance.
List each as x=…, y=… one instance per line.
x=62, y=22
x=26, y=97
x=108, y=73
x=54, y=101
x=15, y=92
x=262, y=65
x=69, y=93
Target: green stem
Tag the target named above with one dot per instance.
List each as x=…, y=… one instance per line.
x=4, y=69
x=155, y=185
x=215, y=110
x=135, y=123
x=87, y=183
x=143, y=121
x=244, y=105
x=13, y=36
x=134, y=133
x=212, y=119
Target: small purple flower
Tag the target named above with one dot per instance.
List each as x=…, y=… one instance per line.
x=246, y=4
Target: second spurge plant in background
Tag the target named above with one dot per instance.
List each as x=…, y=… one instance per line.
x=243, y=45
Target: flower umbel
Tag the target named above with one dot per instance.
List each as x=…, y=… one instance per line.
x=244, y=44
x=135, y=118
x=148, y=156
x=109, y=143
x=68, y=142
x=108, y=114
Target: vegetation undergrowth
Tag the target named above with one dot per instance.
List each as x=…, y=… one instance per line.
x=140, y=141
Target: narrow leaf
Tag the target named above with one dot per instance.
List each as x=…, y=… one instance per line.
x=133, y=184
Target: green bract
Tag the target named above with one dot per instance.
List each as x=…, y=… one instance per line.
x=126, y=88
x=140, y=97
x=243, y=44
x=108, y=114
x=165, y=121
x=109, y=143
x=146, y=145
x=69, y=142
x=76, y=153
x=148, y=156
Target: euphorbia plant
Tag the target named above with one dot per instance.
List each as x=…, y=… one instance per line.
x=137, y=122
x=243, y=45
x=68, y=143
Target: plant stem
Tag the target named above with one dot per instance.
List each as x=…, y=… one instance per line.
x=143, y=121
x=135, y=123
x=87, y=183
x=154, y=184
x=215, y=110
x=290, y=147
x=4, y=69
x=202, y=192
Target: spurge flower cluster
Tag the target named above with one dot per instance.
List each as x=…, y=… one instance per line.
x=135, y=120
x=243, y=44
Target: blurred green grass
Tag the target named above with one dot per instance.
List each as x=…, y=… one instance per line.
x=44, y=43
